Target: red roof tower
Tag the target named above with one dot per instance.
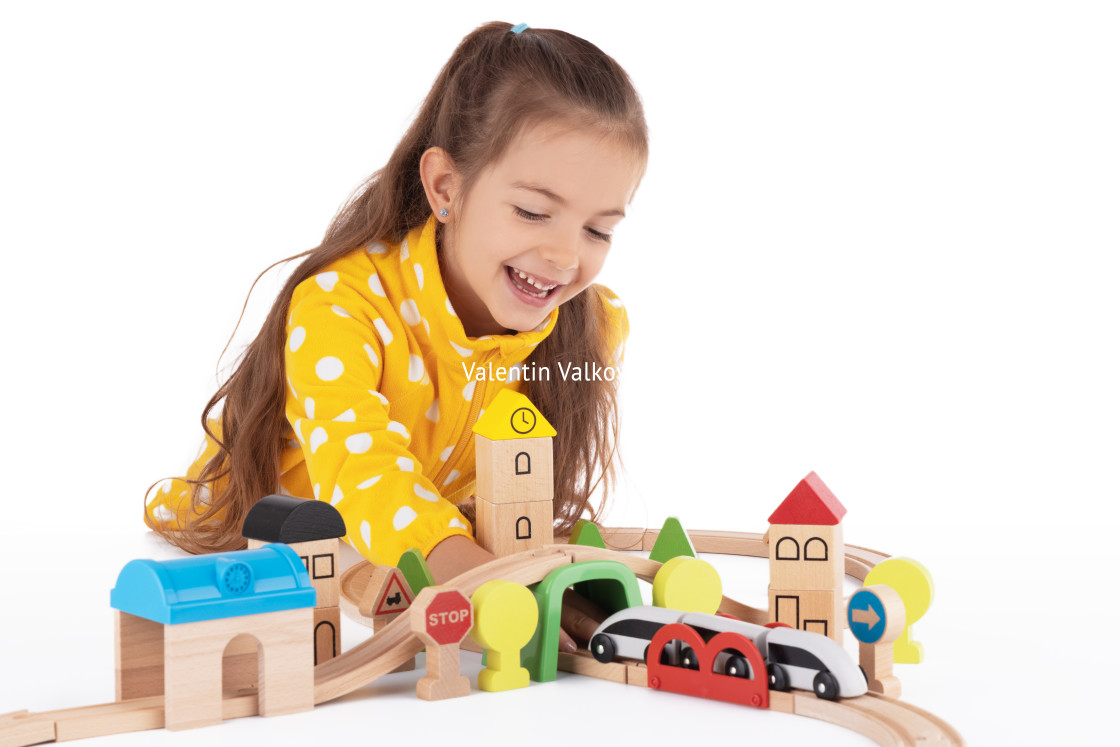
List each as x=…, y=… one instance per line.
x=811, y=502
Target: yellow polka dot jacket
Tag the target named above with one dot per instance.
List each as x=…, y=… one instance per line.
x=383, y=393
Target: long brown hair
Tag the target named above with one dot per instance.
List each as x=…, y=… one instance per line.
x=495, y=84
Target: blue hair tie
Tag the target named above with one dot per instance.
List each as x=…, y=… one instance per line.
x=519, y=28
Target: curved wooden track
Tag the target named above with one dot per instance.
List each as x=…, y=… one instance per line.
x=888, y=722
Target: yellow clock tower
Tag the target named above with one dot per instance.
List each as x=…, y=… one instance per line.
x=513, y=466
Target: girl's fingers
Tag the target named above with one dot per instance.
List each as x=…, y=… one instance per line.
x=579, y=617
x=567, y=645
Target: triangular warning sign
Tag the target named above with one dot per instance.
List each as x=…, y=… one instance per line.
x=395, y=598
x=386, y=594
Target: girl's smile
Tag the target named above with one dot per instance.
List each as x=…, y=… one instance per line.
x=533, y=230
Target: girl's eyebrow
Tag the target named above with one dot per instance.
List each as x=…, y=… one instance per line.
x=560, y=200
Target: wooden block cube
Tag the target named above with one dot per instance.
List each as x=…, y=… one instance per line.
x=506, y=528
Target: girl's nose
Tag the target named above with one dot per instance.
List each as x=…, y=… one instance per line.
x=561, y=253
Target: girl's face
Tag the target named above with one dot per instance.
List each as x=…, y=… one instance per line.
x=534, y=229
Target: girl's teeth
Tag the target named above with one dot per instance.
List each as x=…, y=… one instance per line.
x=533, y=281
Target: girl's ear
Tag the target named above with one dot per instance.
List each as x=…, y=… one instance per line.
x=441, y=182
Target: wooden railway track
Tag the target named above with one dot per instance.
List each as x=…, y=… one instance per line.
x=889, y=722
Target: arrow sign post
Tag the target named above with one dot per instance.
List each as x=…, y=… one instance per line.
x=876, y=617
x=867, y=616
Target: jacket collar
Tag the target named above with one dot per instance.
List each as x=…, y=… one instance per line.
x=446, y=332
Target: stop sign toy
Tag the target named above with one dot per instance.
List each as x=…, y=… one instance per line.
x=441, y=617
x=448, y=618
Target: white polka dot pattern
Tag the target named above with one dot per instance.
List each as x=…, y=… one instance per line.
x=409, y=312
x=296, y=338
x=415, y=368
x=375, y=285
x=327, y=280
x=404, y=516
x=329, y=368
x=359, y=443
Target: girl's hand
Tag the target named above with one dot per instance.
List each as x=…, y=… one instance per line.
x=579, y=617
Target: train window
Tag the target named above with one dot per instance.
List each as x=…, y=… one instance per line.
x=794, y=657
x=706, y=633
x=635, y=628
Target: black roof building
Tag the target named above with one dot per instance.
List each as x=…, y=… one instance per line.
x=287, y=519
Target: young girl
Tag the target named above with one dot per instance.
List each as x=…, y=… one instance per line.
x=474, y=248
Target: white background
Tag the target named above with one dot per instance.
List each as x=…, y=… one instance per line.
x=876, y=239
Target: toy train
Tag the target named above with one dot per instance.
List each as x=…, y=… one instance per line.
x=794, y=658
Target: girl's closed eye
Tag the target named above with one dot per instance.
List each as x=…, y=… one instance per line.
x=527, y=215
x=536, y=217
x=599, y=235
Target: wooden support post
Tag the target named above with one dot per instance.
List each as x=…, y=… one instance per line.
x=441, y=616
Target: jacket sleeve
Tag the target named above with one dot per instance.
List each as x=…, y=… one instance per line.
x=357, y=456
x=616, y=324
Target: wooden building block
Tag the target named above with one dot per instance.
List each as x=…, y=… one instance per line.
x=810, y=502
x=507, y=528
x=138, y=656
x=193, y=654
x=812, y=610
x=514, y=470
x=806, y=556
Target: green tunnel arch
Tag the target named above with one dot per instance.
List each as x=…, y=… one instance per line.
x=608, y=583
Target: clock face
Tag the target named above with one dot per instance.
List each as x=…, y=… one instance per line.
x=523, y=420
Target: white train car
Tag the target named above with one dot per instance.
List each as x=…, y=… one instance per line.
x=794, y=658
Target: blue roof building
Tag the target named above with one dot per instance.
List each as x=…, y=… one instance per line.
x=214, y=587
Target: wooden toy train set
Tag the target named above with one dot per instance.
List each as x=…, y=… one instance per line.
x=212, y=637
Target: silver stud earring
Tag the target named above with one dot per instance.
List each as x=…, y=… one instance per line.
x=443, y=213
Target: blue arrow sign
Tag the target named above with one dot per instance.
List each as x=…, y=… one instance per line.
x=867, y=616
